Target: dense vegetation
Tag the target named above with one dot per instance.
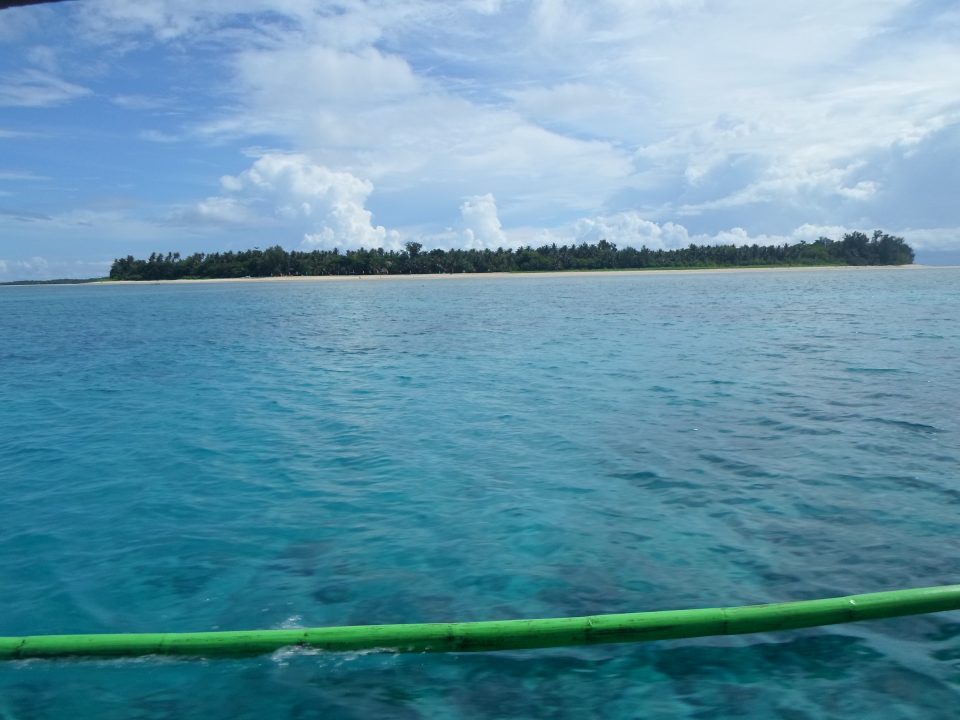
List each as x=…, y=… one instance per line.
x=855, y=248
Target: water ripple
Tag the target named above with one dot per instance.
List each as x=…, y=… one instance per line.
x=272, y=455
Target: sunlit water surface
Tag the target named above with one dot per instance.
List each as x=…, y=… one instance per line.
x=267, y=455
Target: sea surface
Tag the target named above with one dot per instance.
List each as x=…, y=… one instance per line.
x=285, y=454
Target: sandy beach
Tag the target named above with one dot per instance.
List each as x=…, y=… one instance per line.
x=515, y=275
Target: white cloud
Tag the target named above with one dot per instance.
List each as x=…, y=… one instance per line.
x=329, y=205
x=809, y=232
x=789, y=181
x=170, y=21
x=861, y=191
x=369, y=113
x=220, y=210
x=36, y=88
x=630, y=229
x=599, y=105
x=932, y=239
x=323, y=77
x=751, y=87
x=481, y=225
x=164, y=20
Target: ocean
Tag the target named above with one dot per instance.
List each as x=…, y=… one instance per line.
x=183, y=457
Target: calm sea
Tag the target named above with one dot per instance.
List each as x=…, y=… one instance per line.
x=267, y=455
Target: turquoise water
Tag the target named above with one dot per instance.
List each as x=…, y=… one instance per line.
x=225, y=456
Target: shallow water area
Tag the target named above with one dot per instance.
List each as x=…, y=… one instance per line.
x=264, y=455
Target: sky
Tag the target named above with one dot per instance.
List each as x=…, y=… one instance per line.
x=170, y=125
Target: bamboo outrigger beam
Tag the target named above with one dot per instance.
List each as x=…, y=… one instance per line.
x=497, y=634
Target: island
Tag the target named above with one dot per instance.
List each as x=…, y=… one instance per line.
x=855, y=248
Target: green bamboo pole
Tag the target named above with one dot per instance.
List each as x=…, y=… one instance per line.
x=497, y=634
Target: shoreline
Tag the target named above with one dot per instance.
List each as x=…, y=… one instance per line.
x=545, y=274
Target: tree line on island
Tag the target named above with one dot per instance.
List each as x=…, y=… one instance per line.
x=856, y=248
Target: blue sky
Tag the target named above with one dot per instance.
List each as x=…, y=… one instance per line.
x=168, y=125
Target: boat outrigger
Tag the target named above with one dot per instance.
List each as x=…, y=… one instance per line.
x=497, y=634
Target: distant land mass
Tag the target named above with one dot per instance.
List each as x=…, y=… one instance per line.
x=856, y=248
x=60, y=281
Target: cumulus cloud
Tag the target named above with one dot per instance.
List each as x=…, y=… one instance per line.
x=629, y=229
x=481, y=225
x=328, y=204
